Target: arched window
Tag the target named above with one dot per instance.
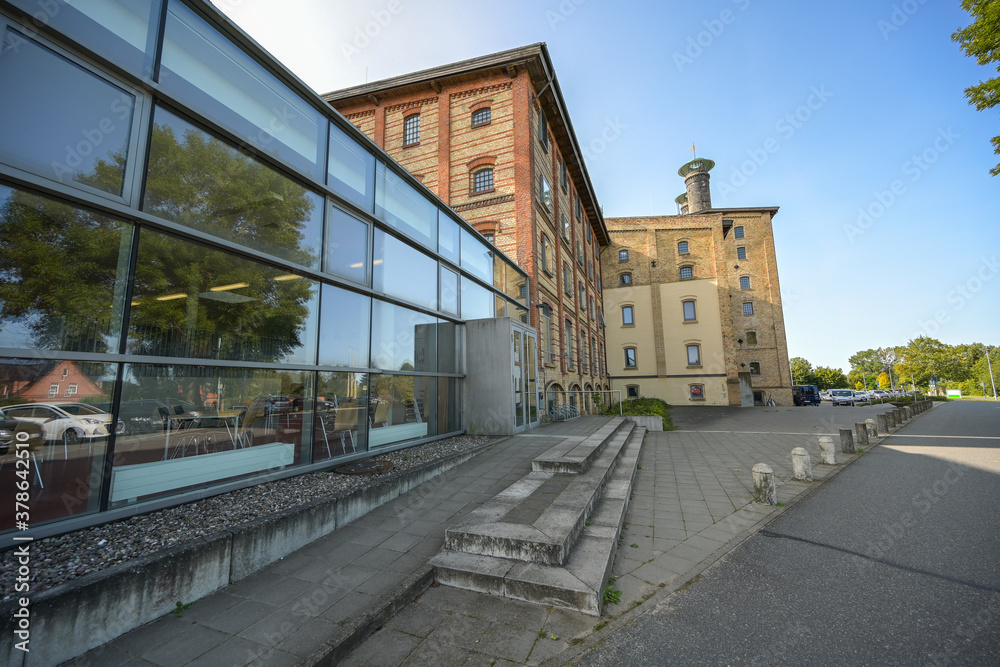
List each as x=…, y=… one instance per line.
x=687, y=272
x=682, y=248
x=625, y=279
x=411, y=130
x=481, y=117
x=482, y=180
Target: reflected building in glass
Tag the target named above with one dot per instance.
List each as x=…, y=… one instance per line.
x=210, y=278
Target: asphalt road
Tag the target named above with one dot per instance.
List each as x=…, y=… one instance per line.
x=896, y=561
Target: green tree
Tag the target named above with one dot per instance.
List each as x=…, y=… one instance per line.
x=883, y=380
x=981, y=40
x=802, y=371
x=830, y=378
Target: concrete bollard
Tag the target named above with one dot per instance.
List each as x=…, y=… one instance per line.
x=847, y=441
x=827, y=450
x=764, y=490
x=802, y=468
x=883, y=424
x=861, y=433
x=900, y=418
x=909, y=412
x=892, y=419
x=872, y=428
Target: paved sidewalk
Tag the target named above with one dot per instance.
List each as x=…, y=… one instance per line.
x=691, y=503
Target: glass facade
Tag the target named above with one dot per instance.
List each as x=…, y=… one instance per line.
x=209, y=277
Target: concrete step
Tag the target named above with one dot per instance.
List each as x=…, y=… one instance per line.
x=579, y=583
x=538, y=518
x=575, y=455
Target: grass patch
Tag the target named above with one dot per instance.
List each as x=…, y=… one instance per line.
x=644, y=407
x=612, y=595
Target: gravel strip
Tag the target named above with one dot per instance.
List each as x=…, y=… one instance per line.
x=58, y=559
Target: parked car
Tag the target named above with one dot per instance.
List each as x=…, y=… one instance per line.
x=861, y=397
x=881, y=393
x=842, y=397
x=9, y=428
x=805, y=394
x=825, y=396
x=59, y=424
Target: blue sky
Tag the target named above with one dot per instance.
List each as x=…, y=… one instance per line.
x=850, y=116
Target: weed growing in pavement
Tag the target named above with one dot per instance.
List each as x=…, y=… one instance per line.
x=612, y=596
x=181, y=608
x=600, y=626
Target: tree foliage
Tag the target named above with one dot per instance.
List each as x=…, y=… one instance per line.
x=802, y=371
x=830, y=378
x=981, y=40
x=883, y=380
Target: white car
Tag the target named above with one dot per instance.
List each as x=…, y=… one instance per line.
x=842, y=397
x=69, y=423
x=861, y=397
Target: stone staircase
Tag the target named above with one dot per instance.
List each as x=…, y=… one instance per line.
x=550, y=537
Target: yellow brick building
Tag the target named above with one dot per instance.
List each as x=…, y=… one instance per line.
x=693, y=304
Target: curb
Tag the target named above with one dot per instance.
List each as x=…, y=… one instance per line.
x=571, y=654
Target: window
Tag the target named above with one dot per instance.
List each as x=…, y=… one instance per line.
x=65, y=373
x=625, y=279
x=579, y=252
x=623, y=255
x=547, y=335
x=583, y=352
x=590, y=270
x=741, y=252
x=567, y=281
x=482, y=180
x=563, y=175
x=682, y=248
x=628, y=319
x=694, y=355
x=579, y=209
x=744, y=282
x=591, y=311
x=53, y=389
x=751, y=338
x=697, y=392
x=690, y=313
x=546, y=255
x=544, y=192
x=754, y=368
x=593, y=356
x=543, y=129
x=488, y=237
x=71, y=390
x=569, y=344
x=481, y=117
x=583, y=296
x=748, y=307
x=565, y=227
x=411, y=130
x=632, y=391
x=738, y=232
x=630, y=361
x=687, y=272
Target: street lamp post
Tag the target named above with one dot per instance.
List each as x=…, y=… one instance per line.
x=989, y=365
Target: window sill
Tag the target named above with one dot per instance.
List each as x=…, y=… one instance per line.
x=475, y=193
x=414, y=144
x=696, y=366
x=631, y=368
x=548, y=273
x=697, y=400
x=628, y=326
x=690, y=321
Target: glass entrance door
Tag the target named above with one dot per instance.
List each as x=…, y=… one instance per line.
x=523, y=379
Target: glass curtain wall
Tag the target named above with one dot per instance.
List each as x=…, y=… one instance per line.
x=208, y=278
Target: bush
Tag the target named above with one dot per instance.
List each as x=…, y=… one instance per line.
x=644, y=407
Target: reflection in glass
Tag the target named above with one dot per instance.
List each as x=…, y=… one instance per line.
x=477, y=257
x=501, y=306
x=403, y=339
x=238, y=92
x=451, y=342
x=477, y=301
x=352, y=170
x=343, y=328
x=404, y=208
x=201, y=182
x=186, y=427
x=449, y=418
x=449, y=291
x=403, y=271
x=517, y=284
x=119, y=30
x=347, y=247
x=192, y=301
x=85, y=141
x=403, y=408
x=62, y=408
x=62, y=275
x=448, y=238
x=342, y=415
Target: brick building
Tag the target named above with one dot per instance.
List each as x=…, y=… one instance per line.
x=492, y=138
x=694, y=305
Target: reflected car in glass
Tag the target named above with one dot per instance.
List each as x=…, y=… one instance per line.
x=59, y=424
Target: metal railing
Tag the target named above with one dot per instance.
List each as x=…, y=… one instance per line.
x=570, y=409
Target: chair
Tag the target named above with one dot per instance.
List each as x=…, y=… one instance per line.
x=381, y=417
x=244, y=437
x=347, y=421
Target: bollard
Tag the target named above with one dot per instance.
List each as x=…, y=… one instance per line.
x=764, y=490
x=802, y=468
x=898, y=414
x=872, y=428
x=909, y=412
x=892, y=419
x=883, y=424
x=827, y=451
x=861, y=433
x=847, y=441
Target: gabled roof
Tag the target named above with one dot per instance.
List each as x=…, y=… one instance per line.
x=536, y=61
